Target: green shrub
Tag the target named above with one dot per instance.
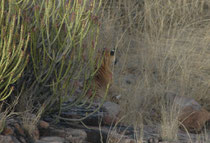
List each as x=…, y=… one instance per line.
x=62, y=43
x=13, y=45
x=57, y=46
x=59, y=30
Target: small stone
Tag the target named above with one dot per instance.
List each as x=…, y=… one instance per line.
x=51, y=140
x=8, y=131
x=129, y=141
x=43, y=124
x=76, y=135
x=111, y=112
x=8, y=139
x=118, y=138
x=71, y=135
x=35, y=134
x=55, y=132
x=182, y=102
x=22, y=140
x=11, y=121
x=19, y=129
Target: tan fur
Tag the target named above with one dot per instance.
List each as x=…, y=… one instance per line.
x=103, y=76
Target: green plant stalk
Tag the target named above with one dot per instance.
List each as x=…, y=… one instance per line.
x=12, y=51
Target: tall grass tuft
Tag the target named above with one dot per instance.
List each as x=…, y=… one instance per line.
x=162, y=47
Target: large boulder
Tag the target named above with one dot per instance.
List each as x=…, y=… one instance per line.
x=192, y=115
x=193, y=120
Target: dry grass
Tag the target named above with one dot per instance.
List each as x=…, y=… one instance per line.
x=30, y=120
x=7, y=113
x=162, y=47
x=31, y=116
x=169, y=124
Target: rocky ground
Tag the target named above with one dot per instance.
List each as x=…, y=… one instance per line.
x=98, y=127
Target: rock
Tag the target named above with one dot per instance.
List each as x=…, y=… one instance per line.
x=35, y=134
x=130, y=78
x=18, y=129
x=111, y=113
x=182, y=102
x=78, y=112
x=193, y=120
x=8, y=131
x=76, y=135
x=22, y=139
x=43, y=124
x=8, y=139
x=11, y=121
x=153, y=140
x=117, y=138
x=51, y=140
x=69, y=134
x=104, y=134
x=191, y=115
x=159, y=140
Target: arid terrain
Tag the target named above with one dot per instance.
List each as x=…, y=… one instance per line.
x=161, y=80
